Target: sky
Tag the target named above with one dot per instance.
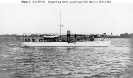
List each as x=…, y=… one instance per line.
x=116, y=18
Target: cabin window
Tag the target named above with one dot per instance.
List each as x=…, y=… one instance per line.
x=33, y=40
x=28, y=40
x=40, y=40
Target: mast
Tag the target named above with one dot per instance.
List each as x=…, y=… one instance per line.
x=60, y=25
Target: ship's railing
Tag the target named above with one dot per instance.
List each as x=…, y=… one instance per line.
x=39, y=36
x=57, y=35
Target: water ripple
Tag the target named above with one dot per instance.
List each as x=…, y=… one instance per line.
x=114, y=61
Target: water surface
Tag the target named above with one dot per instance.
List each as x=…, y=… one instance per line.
x=114, y=61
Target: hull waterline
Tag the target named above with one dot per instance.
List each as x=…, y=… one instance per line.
x=65, y=44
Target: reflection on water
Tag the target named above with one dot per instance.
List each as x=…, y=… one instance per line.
x=67, y=62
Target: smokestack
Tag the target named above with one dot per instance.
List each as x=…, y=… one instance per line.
x=68, y=36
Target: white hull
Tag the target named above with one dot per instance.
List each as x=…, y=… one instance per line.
x=65, y=44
